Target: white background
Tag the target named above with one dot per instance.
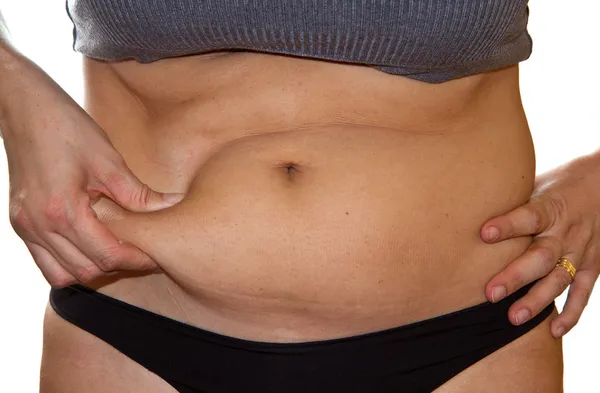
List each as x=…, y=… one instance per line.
x=561, y=93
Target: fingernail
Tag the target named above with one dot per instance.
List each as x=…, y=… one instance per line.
x=560, y=332
x=492, y=233
x=522, y=315
x=498, y=293
x=173, y=198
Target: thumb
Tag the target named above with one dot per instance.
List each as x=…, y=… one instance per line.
x=130, y=193
x=129, y=227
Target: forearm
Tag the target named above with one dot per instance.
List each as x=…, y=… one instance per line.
x=8, y=66
x=18, y=74
x=8, y=53
x=3, y=29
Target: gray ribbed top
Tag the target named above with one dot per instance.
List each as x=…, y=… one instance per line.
x=429, y=40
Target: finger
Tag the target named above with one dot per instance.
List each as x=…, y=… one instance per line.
x=530, y=219
x=108, y=211
x=95, y=240
x=577, y=299
x=127, y=190
x=142, y=230
x=127, y=226
x=537, y=261
x=539, y=296
x=51, y=269
x=73, y=260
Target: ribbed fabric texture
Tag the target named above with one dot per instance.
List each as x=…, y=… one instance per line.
x=428, y=40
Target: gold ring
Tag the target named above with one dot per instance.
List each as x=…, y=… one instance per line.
x=568, y=266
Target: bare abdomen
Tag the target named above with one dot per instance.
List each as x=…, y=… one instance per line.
x=323, y=200
x=338, y=230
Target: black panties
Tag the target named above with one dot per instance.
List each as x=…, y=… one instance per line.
x=415, y=358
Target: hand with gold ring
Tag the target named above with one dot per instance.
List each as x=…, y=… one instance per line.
x=563, y=216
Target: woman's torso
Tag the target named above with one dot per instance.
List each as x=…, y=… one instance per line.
x=323, y=200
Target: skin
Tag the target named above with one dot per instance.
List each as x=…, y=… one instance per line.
x=127, y=123
x=255, y=176
x=50, y=210
x=562, y=215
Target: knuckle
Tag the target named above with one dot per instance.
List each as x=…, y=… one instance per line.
x=113, y=178
x=58, y=212
x=18, y=215
x=570, y=320
x=87, y=273
x=142, y=194
x=108, y=262
x=515, y=280
x=563, y=278
x=536, y=220
x=63, y=280
x=19, y=220
x=585, y=295
x=506, y=230
x=591, y=252
x=532, y=301
x=544, y=254
x=559, y=205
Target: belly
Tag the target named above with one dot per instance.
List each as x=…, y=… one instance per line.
x=322, y=229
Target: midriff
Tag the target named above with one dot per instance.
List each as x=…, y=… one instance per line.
x=322, y=199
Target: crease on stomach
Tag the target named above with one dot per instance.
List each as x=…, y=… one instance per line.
x=329, y=231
